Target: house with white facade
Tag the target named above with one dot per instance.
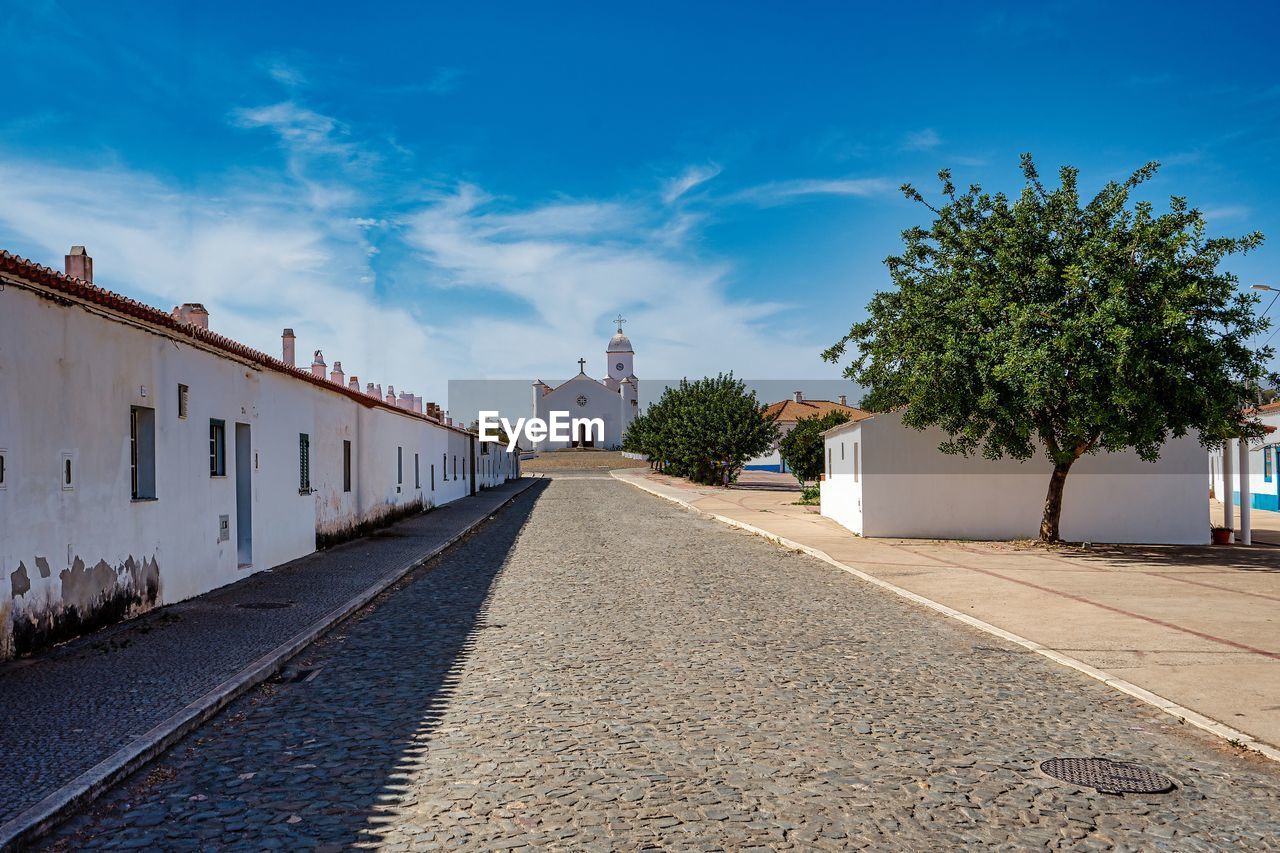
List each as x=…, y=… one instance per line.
x=1246, y=474
x=145, y=459
x=788, y=413
x=884, y=479
x=614, y=400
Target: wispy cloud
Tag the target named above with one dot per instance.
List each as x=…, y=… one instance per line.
x=1214, y=214
x=687, y=180
x=921, y=140
x=785, y=192
x=445, y=81
x=284, y=73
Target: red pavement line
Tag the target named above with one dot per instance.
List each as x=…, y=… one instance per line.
x=1181, y=579
x=1080, y=598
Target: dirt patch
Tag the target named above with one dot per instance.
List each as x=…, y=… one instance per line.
x=579, y=460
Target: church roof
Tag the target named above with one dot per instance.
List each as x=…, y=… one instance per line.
x=619, y=343
x=791, y=410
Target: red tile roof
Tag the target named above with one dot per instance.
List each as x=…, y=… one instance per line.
x=82, y=291
x=790, y=410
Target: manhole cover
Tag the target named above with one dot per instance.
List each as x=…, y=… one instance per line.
x=1106, y=776
x=264, y=605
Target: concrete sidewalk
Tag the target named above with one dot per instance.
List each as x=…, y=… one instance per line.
x=1197, y=626
x=90, y=711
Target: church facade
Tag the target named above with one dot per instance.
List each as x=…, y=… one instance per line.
x=614, y=399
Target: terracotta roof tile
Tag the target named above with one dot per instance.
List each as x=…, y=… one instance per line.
x=85, y=292
x=790, y=410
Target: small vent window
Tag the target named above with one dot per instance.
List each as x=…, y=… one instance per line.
x=304, y=464
x=182, y=401
x=4, y=471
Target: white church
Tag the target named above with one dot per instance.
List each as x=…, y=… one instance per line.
x=614, y=399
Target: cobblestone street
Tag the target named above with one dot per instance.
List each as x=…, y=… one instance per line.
x=599, y=669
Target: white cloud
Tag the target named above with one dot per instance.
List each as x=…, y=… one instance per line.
x=921, y=140
x=783, y=192
x=690, y=178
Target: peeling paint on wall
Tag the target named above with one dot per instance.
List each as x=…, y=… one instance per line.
x=91, y=597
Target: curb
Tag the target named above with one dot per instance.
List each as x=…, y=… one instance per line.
x=40, y=817
x=1186, y=715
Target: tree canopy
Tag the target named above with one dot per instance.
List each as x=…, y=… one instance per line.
x=705, y=430
x=1039, y=322
x=802, y=448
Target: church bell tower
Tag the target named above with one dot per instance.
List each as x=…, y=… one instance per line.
x=621, y=357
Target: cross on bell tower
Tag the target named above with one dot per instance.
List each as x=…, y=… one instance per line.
x=619, y=320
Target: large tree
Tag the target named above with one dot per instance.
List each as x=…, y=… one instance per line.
x=1040, y=323
x=802, y=447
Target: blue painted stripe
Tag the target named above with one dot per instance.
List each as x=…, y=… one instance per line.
x=1259, y=501
x=774, y=468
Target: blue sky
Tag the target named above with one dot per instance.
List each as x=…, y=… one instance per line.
x=436, y=191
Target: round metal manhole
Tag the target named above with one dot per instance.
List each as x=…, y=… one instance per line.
x=1106, y=776
x=264, y=605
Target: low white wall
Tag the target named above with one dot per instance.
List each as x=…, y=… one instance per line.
x=911, y=490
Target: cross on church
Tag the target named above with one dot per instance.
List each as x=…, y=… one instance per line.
x=582, y=365
x=620, y=321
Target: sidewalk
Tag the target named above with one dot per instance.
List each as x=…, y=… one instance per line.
x=1197, y=626
x=78, y=716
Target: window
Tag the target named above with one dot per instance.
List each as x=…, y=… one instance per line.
x=828, y=461
x=217, y=448
x=433, y=477
x=3, y=470
x=68, y=472
x=855, y=462
x=346, y=466
x=182, y=401
x=304, y=464
x=417, y=477
x=1267, y=471
x=455, y=466
x=142, y=453
x=842, y=451
x=399, y=466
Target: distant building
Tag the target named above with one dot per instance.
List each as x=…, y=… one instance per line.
x=885, y=479
x=145, y=459
x=1263, y=460
x=614, y=399
x=791, y=411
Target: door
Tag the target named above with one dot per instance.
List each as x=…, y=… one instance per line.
x=244, y=497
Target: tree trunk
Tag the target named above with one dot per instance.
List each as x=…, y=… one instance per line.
x=1053, y=503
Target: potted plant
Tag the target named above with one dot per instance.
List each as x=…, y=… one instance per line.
x=1221, y=535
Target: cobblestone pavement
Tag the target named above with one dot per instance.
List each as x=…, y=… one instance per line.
x=70, y=708
x=599, y=669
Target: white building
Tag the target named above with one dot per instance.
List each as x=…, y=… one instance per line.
x=790, y=412
x=1258, y=468
x=884, y=479
x=145, y=459
x=614, y=400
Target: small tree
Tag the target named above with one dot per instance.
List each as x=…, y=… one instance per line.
x=802, y=448
x=705, y=430
x=1039, y=322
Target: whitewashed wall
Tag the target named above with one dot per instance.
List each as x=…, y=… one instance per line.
x=74, y=557
x=1264, y=490
x=907, y=488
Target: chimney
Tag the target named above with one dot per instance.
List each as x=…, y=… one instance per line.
x=843, y=400
x=391, y=395
x=336, y=375
x=354, y=384
x=79, y=264
x=405, y=400
x=417, y=404
x=287, y=339
x=370, y=390
x=317, y=364
x=799, y=397
x=191, y=314
x=377, y=390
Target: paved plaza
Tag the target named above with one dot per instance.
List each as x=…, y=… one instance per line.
x=601, y=669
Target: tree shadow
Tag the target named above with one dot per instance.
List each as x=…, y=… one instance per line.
x=315, y=758
x=1254, y=558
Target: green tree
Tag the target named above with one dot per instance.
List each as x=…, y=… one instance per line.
x=1038, y=322
x=802, y=448
x=705, y=430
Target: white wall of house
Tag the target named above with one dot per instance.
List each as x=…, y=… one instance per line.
x=80, y=551
x=905, y=487
x=1264, y=469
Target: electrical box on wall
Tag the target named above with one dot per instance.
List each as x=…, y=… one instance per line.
x=224, y=528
